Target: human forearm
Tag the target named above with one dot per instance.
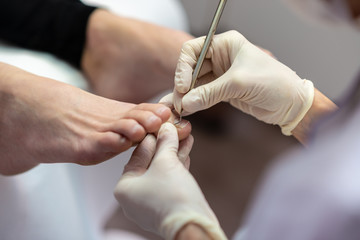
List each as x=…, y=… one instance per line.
x=320, y=107
x=192, y=232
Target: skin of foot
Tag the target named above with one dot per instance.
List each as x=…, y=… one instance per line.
x=46, y=121
x=129, y=60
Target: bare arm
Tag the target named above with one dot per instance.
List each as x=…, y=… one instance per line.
x=321, y=106
x=192, y=232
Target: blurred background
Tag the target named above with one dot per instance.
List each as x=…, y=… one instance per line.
x=328, y=55
x=232, y=150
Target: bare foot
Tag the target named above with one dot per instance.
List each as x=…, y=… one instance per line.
x=45, y=121
x=130, y=60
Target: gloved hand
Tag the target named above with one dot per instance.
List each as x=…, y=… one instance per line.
x=157, y=191
x=239, y=72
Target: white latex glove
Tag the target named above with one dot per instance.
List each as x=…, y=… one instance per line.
x=158, y=192
x=240, y=73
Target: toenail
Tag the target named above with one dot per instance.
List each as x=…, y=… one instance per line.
x=160, y=111
x=153, y=119
x=181, y=124
x=137, y=128
x=122, y=140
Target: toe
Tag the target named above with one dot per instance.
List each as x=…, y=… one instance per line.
x=160, y=110
x=148, y=120
x=130, y=129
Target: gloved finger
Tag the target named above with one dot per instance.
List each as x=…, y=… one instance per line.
x=206, y=96
x=167, y=144
x=141, y=157
x=173, y=101
x=167, y=100
x=177, y=100
x=183, y=75
x=187, y=163
x=185, y=147
x=184, y=72
x=187, y=62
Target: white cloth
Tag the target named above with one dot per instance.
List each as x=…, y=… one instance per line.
x=312, y=193
x=65, y=201
x=168, y=13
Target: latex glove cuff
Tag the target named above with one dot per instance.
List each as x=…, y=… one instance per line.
x=308, y=97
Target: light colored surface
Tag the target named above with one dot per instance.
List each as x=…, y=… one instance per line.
x=329, y=56
x=43, y=64
x=64, y=201
x=168, y=13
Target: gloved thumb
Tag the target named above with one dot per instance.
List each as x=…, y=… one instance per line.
x=141, y=157
x=167, y=144
x=207, y=95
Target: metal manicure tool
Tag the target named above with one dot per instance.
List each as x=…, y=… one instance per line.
x=206, y=46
